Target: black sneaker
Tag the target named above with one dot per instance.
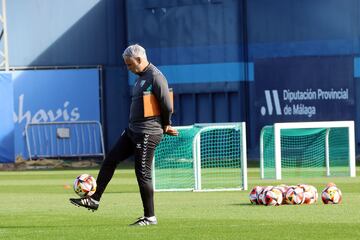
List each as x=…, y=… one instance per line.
x=144, y=221
x=87, y=202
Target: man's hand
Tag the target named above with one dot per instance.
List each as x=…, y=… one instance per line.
x=170, y=130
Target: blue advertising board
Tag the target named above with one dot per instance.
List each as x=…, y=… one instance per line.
x=304, y=89
x=53, y=96
x=6, y=119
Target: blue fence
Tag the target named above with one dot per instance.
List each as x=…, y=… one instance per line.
x=64, y=139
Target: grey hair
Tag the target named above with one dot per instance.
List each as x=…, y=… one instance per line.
x=135, y=51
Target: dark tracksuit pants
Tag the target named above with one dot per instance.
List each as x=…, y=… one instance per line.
x=142, y=147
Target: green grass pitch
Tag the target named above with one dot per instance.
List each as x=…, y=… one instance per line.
x=34, y=205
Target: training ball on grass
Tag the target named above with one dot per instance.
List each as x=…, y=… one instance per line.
x=253, y=196
x=310, y=193
x=283, y=188
x=273, y=197
x=85, y=185
x=262, y=194
x=331, y=195
x=294, y=195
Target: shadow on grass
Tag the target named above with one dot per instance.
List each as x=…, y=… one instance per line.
x=48, y=227
x=121, y=192
x=243, y=204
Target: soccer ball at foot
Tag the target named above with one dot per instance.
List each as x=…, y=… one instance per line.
x=85, y=185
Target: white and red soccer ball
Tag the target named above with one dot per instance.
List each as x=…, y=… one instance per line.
x=254, y=194
x=331, y=194
x=283, y=188
x=294, y=195
x=85, y=185
x=310, y=193
x=268, y=195
x=262, y=194
x=273, y=197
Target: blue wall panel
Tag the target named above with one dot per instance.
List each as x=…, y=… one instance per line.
x=60, y=40
x=187, y=111
x=212, y=102
x=7, y=126
x=187, y=32
x=221, y=107
x=234, y=106
x=53, y=33
x=297, y=28
x=204, y=112
x=303, y=89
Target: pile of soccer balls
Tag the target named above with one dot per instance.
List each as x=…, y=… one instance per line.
x=294, y=195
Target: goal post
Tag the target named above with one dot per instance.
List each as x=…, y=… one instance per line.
x=308, y=149
x=203, y=157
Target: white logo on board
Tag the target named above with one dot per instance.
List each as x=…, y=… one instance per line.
x=271, y=97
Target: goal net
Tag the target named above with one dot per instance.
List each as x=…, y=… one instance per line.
x=307, y=149
x=203, y=157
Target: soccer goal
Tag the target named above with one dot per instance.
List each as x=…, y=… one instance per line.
x=308, y=149
x=204, y=157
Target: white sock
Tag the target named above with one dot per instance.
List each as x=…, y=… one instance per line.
x=94, y=201
x=153, y=218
